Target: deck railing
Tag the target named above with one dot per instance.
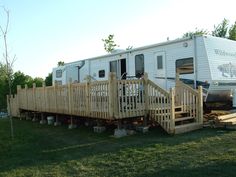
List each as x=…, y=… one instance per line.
x=111, y=99
x=189, y=100
x=161, y=106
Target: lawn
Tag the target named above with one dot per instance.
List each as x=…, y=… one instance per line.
x=42, y=150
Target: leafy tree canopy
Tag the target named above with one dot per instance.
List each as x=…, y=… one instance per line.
x=109, y=43
x=221, y=29
x=60, y=63
x=48, y=80
x=232, y=32
x=196, y=32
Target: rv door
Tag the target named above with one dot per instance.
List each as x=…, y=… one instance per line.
x=160, y=68
x=119, y=67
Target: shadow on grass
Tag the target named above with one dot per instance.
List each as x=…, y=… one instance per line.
x=222, y=169
x=40, y=145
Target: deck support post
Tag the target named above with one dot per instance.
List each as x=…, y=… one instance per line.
x=42, y=121
x=27, y=117
x=99, y=128
x=120, y=131
x=57, y=122
x=72, y=125
x=34, y=118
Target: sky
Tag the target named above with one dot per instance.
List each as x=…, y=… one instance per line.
x=43, y=32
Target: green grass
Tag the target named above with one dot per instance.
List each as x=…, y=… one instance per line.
x=42, y=150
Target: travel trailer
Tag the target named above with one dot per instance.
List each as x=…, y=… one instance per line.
x=199, y=60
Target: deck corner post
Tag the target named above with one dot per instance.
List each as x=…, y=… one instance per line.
x=69, y=97
x=55, y=96
x=18, y=99
x=26, y=96
x=8, y=104
x=87, y=96
x=112, y=94
x=172, y=110
x=44, y=102
x=200, y=105
x=34, y=96
x=146, y=98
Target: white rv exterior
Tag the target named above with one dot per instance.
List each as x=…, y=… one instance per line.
x=200, y=60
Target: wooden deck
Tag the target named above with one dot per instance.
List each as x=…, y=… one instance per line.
x=114, y=100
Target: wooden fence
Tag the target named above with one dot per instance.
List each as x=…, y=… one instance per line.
x=112, y=99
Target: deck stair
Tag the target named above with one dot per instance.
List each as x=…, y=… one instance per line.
x=182, y=112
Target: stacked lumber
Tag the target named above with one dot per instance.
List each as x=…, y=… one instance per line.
x=227, y=121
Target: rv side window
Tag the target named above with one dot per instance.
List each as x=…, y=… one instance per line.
x=101, y=73
x=58, y=73
x=139, y=65
x=159, y=62
x=113, y=66
x=184, y=66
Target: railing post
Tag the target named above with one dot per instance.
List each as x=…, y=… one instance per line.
x=55, y=96
x=87, y=93
x=26, y=96
x=44, y=102
x=112, y=95
x=200, y=105
x=172, y=110
x=69, y=98
x=8, y=105
x=146, y=98
x=34, y=96
x=18, y=88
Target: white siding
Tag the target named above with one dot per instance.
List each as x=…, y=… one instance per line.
x=226, y=59
x=203, y=69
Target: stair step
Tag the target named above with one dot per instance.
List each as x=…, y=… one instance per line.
x=183, y=118
x=178, y=107
x=187, y=127
x=181, y=112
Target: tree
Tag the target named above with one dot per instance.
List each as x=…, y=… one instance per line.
x=232, y=32
x=129, y=47
x=8, y=62
x=38, y=81
x=60, y=63
x=3, y=88
x=196, y=32
x=109, y=43
x=18, y=79
x=48, y=80
x=221, y=29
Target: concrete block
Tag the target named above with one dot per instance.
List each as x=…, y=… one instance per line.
x=50, y=120
x=28, y=118
x=34, y=119
x=120, y=133
x=57, y=123
x=131, y=132
x=99, y=129
x=143, y=129
x=72, y=126
x=43, y=122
